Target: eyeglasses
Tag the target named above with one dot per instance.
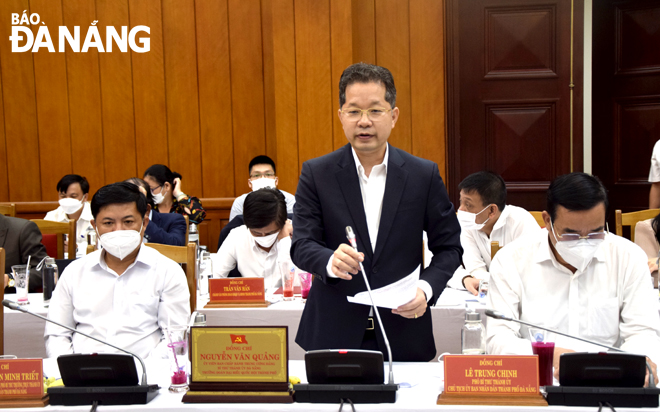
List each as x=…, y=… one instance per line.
x=574, y=237
x=153, y=189
x=372, y=114
x=260, y=175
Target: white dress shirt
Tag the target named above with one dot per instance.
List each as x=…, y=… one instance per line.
x=240, y=249
x=127, y=311
x=654, y=174
x=611, y=302
x=237, y=206
x=83, y=223
x=372, y=188
x=514, y=222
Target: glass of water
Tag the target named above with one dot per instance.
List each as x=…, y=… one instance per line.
x=21, y=279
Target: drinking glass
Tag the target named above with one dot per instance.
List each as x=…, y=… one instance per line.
x=543, y=345
x=177, y=353
x=22, y=280
x=288, y=273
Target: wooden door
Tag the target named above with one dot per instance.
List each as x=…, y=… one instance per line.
x=626, y=98
x=509, y=102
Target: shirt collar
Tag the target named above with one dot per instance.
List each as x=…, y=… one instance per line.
x=501, y=221
x=360, y=168
x=144, y=256
x=87, y=212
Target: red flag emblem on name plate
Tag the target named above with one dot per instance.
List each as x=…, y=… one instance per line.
x=238, y=338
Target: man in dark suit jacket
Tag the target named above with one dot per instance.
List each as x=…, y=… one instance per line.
x=345, y=188
x=166, y=228
x=21, y=238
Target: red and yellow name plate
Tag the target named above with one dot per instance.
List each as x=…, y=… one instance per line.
x=21, y=378
x=491, y=374
x=237, y=290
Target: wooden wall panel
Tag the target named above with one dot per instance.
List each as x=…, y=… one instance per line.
x=341, y=42
x=280, y=90
x=84, y=88
x=393, y=52
x=149, y=101
x=314, y=80
x=245, y=46
x=116, y=96
x=214, y=98
x=182, y=93
x=427, y=81
x=20, y=108
x=224, y=81
x=52, y=104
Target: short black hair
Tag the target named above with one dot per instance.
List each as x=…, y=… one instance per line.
x=261, y=160
x=139, y=182
x=68, y=180
x=367, y=73
x=162, y=174
x=576, y=191
x=490, y=186
x=264, y=206
x=118, y=193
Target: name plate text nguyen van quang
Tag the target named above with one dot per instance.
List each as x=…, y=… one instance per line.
x=237, y=291
x=491, y=380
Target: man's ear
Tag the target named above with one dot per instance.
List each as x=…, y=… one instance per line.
x=250, y=183
x=93, y=223
x=148, y=210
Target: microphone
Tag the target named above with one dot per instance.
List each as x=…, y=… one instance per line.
x=350, y=235
x=499, y=315
x=15, y=306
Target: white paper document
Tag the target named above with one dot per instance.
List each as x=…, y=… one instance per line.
x=391, y=296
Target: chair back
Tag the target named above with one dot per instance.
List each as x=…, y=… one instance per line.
x=8, y=210
x=494, y=248
x=2, y=308
x=48, y=227
x=631, y=219
x=538, y=216
x=187, y=255
x=90, y=249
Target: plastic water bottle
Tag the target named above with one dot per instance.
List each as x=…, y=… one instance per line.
x=193, y=234
x=205, y=269
x=49, y=276
x=473, y=335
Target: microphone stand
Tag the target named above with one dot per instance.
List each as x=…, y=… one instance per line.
x=498, y=315
x=14, y=306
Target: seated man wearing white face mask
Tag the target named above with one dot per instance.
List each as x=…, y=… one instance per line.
x=262, y=174
x=485, y=217
x=264, y=239
x=576, y=278
x=123, y=294
x=73, y=191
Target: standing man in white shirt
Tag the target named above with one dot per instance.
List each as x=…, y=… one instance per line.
x=654, y=177
x=73, y=191
x=262, y=174
x=576, y=278
x=264, y=240
x=485, y=217
x=123, y=294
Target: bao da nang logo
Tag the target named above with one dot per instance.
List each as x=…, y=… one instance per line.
x=23, y=38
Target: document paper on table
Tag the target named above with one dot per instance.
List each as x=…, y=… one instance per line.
x=391, y=296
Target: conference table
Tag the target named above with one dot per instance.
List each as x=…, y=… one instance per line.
x=24, y=334
x=420, y=385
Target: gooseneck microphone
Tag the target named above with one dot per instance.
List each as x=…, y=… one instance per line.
x=14, y=306
x=499, y=315
x=350, y=235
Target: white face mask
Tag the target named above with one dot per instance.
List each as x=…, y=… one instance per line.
x=468, y=221
x=266, y=241
x=70, y=205
x=263, y=182
x=121, y=243
x=577, y=253
x=158, y=199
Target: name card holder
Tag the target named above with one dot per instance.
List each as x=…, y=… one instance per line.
x=239, y=365
x=237, y=293
x=22, y=383
x=491, y=380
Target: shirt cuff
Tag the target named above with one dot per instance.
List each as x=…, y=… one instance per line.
x=426, y=288
x=328, y=268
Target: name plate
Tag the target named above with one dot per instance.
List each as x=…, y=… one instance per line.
x=239, y=354
x=21, y=378
x=491, y=374
x=237, y=290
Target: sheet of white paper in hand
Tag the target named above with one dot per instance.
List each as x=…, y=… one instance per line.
x=391, y=296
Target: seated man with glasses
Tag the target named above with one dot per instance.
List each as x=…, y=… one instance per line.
x=262, y=174
x=576, y=278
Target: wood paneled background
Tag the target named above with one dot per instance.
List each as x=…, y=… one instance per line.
x=225, y=80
